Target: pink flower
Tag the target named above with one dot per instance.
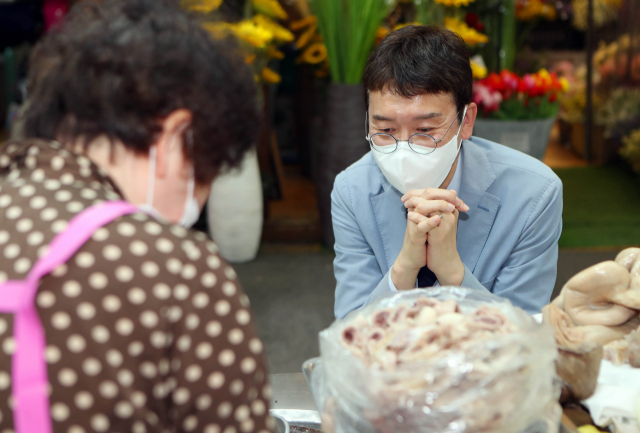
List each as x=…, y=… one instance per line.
x=486, y=98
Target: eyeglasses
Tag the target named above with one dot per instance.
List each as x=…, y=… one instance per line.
x=423, y=144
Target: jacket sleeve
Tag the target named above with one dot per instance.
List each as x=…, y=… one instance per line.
x=358, y=275
x=528, y=276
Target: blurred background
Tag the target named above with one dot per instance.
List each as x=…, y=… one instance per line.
x=557, y=79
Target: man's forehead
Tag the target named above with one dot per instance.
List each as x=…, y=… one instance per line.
x=389, y=105
x=389, y=96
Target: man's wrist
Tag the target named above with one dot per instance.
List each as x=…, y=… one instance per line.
x=403, y=276
x=453, y=276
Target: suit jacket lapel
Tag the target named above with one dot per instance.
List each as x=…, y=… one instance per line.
x=474, y=226
x=391, y=217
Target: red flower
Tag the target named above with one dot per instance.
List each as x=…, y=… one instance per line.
x=471, y=19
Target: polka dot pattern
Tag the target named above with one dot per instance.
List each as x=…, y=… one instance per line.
x=137, y=291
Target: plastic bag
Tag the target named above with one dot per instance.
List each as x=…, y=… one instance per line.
x=504, y=384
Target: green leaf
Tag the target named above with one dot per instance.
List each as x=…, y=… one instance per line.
x=348, y=28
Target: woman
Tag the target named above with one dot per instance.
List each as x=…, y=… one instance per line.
x=147, y=329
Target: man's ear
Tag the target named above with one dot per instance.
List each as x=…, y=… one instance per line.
x=469, y=120
x=170, y=141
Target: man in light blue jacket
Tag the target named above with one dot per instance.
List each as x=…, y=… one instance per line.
x=430, y=204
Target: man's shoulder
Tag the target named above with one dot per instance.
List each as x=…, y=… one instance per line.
x=510, y=164
x=362, y=174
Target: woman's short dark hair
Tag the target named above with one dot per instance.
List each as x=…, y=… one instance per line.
x=116, y=68
x=417, y=60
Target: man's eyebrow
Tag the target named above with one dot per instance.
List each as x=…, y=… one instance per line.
x=420, y=117
x=381, y=118
x=427, y=116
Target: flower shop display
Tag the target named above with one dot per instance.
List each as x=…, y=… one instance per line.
x=236, y=225
x=616, y=98
x=518, y=111
x=620, y=116
x=604, y=12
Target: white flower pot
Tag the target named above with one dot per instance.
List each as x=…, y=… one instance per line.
x=235, y=211
x=528, y=136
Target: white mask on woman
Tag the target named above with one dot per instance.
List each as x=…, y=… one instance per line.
x=407, y=170
x=191, y=211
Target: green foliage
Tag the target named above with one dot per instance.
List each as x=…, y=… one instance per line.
x=601, y=207
x=348, y=28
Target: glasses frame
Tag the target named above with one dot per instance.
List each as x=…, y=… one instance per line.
x=422, y=150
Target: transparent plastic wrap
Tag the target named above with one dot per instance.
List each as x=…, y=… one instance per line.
x=502, y=383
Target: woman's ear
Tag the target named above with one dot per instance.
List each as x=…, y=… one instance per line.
x=468, y=121
x=170, y=141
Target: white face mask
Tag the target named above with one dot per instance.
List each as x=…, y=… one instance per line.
x=407, y=170
x=191, y=211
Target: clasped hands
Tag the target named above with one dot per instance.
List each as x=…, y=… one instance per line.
x=429, y=239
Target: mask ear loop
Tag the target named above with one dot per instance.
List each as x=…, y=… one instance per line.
x=464, y=114
x=191, y=183
x=151, y=177
x=366, y=125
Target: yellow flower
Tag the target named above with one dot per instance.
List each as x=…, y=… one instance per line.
x=201, y=5
x=528, y=10
x=455, y=3
x=271, y=8
x=479, y=71
x=270, y=76
x=252, y=34
x=275, y=53
x=280, y=34
x=306, y=36
x=469, y=35
x=315, y=53
x=304, y=22
x=564, y=83
x=382, y=32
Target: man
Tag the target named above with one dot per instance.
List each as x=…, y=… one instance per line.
x=430, y=204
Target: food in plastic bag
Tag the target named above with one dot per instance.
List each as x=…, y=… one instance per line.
x=600, y=306
x=579, y=353
x=440, y=360
x=634, y=348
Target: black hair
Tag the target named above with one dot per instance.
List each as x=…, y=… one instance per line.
x=417, y=60
x=116, y=68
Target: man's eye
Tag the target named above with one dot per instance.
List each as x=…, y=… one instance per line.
x=386, y=130
x=424, y=130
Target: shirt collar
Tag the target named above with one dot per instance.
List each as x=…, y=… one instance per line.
x=455, y=181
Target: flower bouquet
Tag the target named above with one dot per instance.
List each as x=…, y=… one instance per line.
x=516, y=111
x=259, y=33
x=507, y=96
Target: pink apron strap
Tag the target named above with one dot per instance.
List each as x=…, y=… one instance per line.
x=29, y=380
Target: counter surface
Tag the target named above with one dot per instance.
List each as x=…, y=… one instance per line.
x=290, y=391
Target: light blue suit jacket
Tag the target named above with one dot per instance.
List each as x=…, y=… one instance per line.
x=508, y=240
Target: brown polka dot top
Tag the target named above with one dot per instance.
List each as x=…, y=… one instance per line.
x=147, y=327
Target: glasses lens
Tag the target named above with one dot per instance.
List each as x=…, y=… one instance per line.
x=383, y=143
x=422, y=143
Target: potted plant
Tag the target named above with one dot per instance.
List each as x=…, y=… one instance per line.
x=348, y=29
x=517, y=111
